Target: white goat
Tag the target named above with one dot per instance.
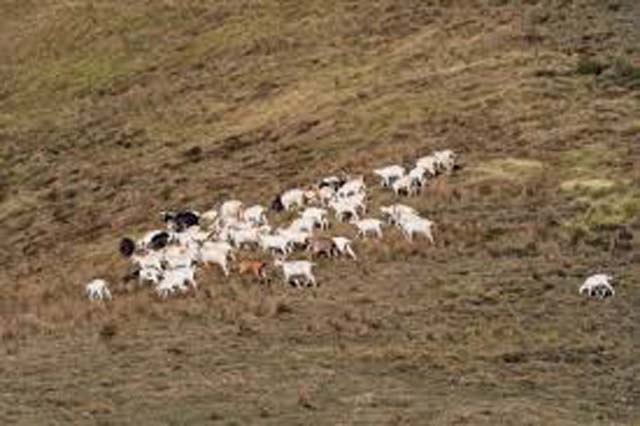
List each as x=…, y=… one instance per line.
x=429, y=163
x=217, y=252
x=359, y=200
x=295, y=198
x=446, y=160
x=317, y=216
x=151, y=275
x=231, y=209
x=343, y=246
x=410, y=225
x=149, y=265
x=394, y=212
x=344, y=208
x=198, y=234
x=389, y=174
x=303, y=224
x=351, y=187
x=598, y=285
x=191, y=235
x=297, y=268
x=98, y=289
x=325, y=194
x=181, y=256
x=255, y=215
x=169, y=287
x=403, y=184
x=417, y=176
x=275, y=243
x=210, y=216
x=368, y=226
x=250, y=236
x=148, y=259
x=176, y=280
x=295, y=238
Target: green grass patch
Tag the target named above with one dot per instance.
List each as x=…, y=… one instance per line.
x=80, y=76
x=615, y=209
x=589, y=66
x=589, y=172
x=594, y=187
x=512, y=169
x=587, y=157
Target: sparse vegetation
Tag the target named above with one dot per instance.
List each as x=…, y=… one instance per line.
x=111, y=111
x=589, y=66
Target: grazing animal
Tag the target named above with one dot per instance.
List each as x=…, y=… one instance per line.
x=343, y=246
x=317, y=216
x=325, y=194
x=446, y=160
x=428, y=163
x=159, y=240
x=218, y=252
x=255, y=215
x=395, y=212
x=297, y=269
x=404, y=185
x=345, y=209
x=98, y=289
x=276, y=204
x=295, y=198
x=275, y=243
x=247, y=236
x=180, y=256
x=418, y=177
x=181, y=220
x=389, y=174
x=368, y=226
x=154, y=238
x=358, y=200
x=598, y=285
x=176, y=280
x=231, y=209
x=198, y=235
x=148, y=259
x=149, y=275
x=256, y=268
x=148, y=266
x=332, y=182
x=210, y=216
x=411, y=225
x=169, y=287
x=127, y=247
x=321, y=247
x=302, y=224
x=295, y=238
x=352, y=187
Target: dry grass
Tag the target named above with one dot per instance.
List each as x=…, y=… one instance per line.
x=111, y=112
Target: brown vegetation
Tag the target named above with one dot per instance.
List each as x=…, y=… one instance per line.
x=112, y=111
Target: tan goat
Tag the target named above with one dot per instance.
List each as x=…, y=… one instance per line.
x=256, y=268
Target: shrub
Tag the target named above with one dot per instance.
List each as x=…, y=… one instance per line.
x=624, y=73
x=589, y=66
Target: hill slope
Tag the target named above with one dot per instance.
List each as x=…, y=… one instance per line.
x=110, y=113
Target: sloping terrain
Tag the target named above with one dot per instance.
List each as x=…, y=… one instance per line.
x=112, y=111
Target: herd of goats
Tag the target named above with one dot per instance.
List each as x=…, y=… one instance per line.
x=167, y=258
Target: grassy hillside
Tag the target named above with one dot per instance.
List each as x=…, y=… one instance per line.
x=112, y=111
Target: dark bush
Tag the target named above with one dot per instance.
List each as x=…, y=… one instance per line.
x=589, y=66
x=624, y=73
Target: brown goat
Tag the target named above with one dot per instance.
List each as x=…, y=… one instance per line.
x=255, y=267
x=321, y=246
